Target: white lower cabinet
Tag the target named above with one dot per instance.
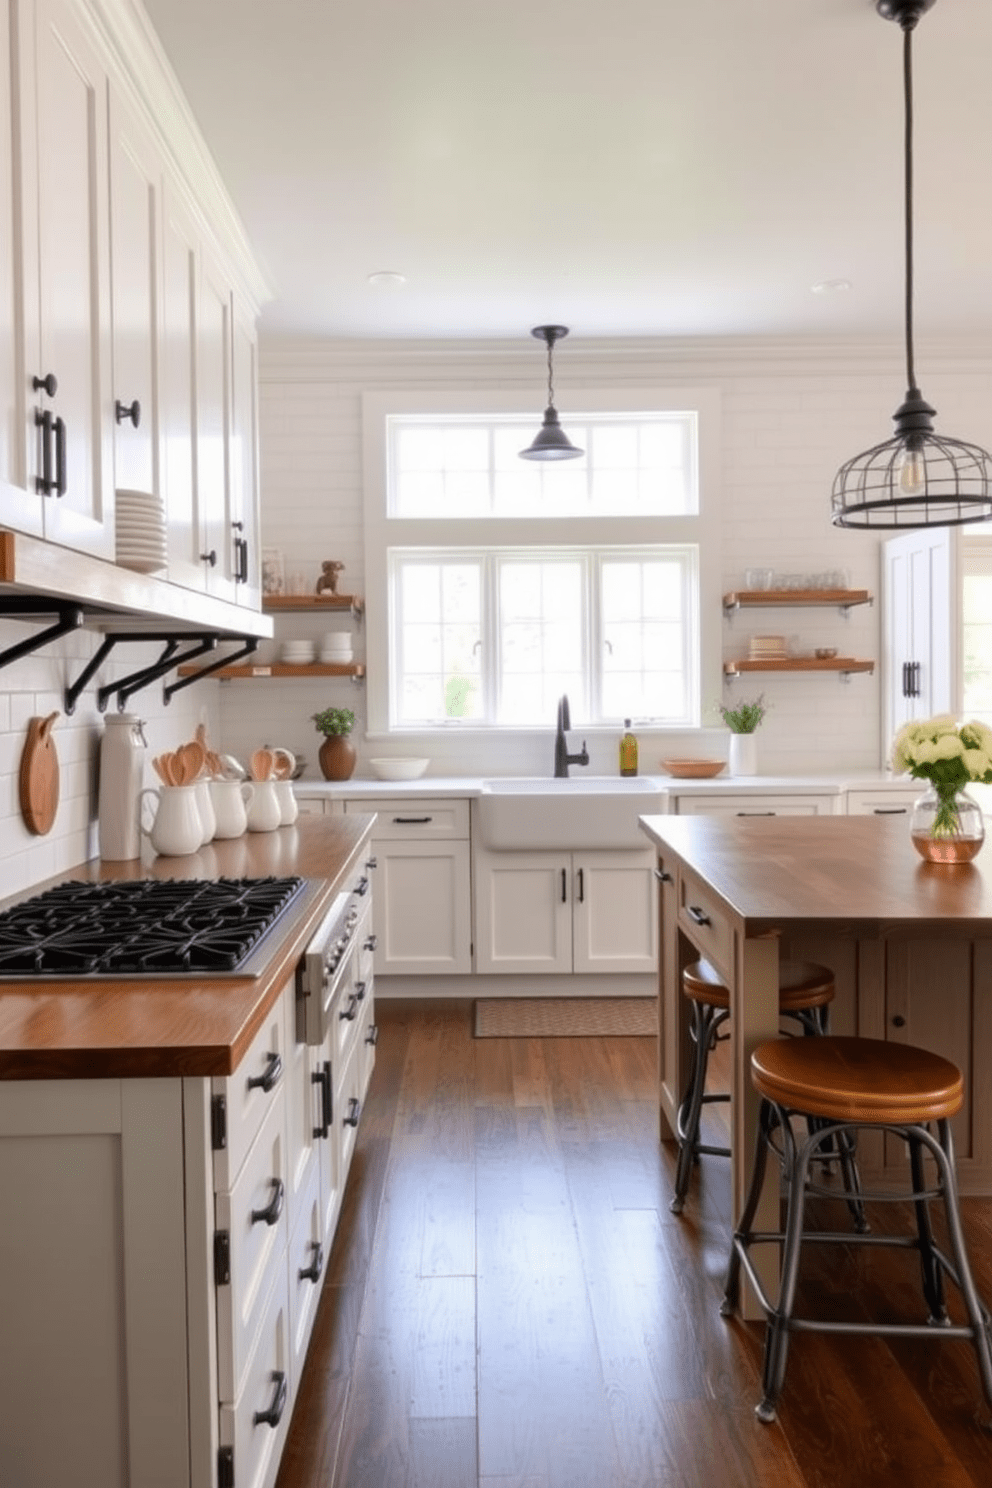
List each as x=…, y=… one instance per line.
x=889, y=801
x=757, y=803
x=565, y=912
x=253, y=1429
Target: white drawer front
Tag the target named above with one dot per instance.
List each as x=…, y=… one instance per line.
x=882, y=803
x=420, y=819
x=250, y=1093
x=770, y=805
x=368, y=1035
x=254, y=1216
x=307, y=1262
x=257, y=1444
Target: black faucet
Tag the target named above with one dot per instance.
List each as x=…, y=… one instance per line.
x=562, y=757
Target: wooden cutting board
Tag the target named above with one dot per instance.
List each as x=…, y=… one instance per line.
x=39, y=776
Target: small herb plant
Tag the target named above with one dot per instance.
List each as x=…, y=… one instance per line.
x=744, y=719
x=334, y=721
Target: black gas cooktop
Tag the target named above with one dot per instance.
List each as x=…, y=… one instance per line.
x=142, y=928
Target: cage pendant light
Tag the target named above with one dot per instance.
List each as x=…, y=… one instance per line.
x=551, y=442
x=919, y=478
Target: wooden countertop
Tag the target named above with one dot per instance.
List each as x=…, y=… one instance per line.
x=92, y=1030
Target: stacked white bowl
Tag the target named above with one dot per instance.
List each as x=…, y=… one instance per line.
x=335, y=648
x=140, y=531
x=297, y=653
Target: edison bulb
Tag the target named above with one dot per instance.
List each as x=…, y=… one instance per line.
x=911, y=469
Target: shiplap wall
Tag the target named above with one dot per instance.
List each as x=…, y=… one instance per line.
x=791, y=413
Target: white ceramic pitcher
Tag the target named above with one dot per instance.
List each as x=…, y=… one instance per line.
x=177, y=829
x=205, y=806
x=264, y=814
x=288, y=808
x=230, y=799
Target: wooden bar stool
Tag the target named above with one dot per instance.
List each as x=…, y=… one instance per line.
x=846, y=1084
x=805, y=992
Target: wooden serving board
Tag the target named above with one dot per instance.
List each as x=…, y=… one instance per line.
x=39, y=776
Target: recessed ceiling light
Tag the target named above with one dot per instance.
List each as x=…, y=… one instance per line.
x=830, y=286
x=387, y=277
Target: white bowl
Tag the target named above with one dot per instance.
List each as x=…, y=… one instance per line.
x=399, y=769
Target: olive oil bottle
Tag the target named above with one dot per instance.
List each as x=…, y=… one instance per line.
x=628, y=751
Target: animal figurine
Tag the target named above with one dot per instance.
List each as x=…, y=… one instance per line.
x=329, y=578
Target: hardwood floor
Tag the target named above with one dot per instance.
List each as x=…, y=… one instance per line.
x=510, y=1304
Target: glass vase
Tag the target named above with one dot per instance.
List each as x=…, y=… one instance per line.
x=947, y=826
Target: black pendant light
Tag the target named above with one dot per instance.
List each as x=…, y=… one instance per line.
x=919, y=478
x=551, y=442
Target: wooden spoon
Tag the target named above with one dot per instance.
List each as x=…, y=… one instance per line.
x=284, y=763
x=193, y=757
x=160, y=767
x=261, y=764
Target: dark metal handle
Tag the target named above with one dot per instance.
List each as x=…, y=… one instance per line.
x=123, y=412
x=916, y=680
x=323, y=1079
x=756, y=813
x=372, y=1037
x=43, y=421
x=210, y=557
x=898, y=1021
x=662, y=876
x=273, y=1415
x=270, y=1214
x=312, y=1272
x=61, y=473
x=354, y=1112
x=47, y=384
x=412, y=821
x=697, y=915
x=362, y=887
x=370, y=943
x=347, y=1015
x=270, y=1078
x=905, y=679
x=359, y=990
x=564, y=887
x=582, y=886
x=371, y=863
x=890, y=810
x=241, y=560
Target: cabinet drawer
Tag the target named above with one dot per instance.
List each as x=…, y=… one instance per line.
x=881, y=803
x=756, y=805
x=307, y=1258
x=367, y=1038
x=249, y=1094
x=702, y=919
x=420, y=818
x=254, y=1217
x=257, y=1444
x=348, y=1099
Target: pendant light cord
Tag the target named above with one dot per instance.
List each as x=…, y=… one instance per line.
x=551, y=385
x=907, y=71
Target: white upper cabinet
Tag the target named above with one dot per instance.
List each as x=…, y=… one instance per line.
x=213, y=432
x=135, y=226
x=13, y=505
x=921, y=621
x=65, y=229
x=244, y=460
x=177, y=389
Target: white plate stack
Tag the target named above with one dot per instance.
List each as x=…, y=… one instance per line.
x=140, y=531
x=297, y=653
x=335, y=648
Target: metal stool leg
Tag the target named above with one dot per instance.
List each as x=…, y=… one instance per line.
x=932, y=1271
x=742, y=1234
x=978, y=1317
x=705, y=1022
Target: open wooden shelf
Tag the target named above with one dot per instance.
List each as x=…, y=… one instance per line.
x=298, y=603
x=798, y=664
x=281, y=669
x=841, y=598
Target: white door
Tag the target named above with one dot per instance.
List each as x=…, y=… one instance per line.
x=244, y=461
x=135, y=207
x=921, y=623
x=615, y=926
x=19, y=508
x=177, y=389
x=70, y=273
x=422, y=910
x=523, y=912
x=213, y=429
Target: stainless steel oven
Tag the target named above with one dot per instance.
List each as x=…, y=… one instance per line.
x=328, y=971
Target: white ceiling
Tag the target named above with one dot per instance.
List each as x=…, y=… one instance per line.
x=624, y=167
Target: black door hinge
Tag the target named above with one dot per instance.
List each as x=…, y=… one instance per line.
x=218, y=1122
x=222, y=1257
x=225, y=1467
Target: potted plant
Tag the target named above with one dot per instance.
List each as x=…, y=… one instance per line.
x=742, y=722
x=336, y=755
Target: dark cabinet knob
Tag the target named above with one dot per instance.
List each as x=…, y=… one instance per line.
x=47, y=384
x=128, y=411
x=210, y=557
x=898, y=1021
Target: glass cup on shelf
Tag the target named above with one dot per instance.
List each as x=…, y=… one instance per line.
x=758, y=578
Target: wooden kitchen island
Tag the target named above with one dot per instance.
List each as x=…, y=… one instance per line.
x=910, y=944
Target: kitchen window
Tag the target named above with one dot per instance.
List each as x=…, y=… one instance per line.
x=495, y=584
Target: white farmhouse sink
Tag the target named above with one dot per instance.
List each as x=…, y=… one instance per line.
x=584, y=811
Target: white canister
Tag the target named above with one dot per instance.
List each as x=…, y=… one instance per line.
x=205, y=807
x=229, y=799
x=286, y=796
x=263, y=808
x=177, y=830
x=122, y=768
x=743, y=754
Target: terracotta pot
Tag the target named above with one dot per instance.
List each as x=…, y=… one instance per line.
x=337, y=757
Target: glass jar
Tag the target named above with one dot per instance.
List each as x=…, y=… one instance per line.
x=947, y=826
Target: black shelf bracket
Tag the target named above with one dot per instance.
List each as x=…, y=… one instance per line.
x=135, y=681
x=249, y=647
x=70, y=617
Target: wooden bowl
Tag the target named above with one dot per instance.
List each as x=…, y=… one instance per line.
x=688, y=769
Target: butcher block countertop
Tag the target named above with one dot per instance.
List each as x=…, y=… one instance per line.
x=119, y=1029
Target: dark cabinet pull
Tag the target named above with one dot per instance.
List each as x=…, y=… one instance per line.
x=43, y=421
x=354, y=1112
x=128, y=412
x=898, y=1021
x=347, y=1015
x=412, y=821
x=362, y=886
x=372, y=1037
x=564, y=887
x=322, y=1079
x=582, y=886
x=756, y=813
x=241, y=560
x=47, y=384
x=269, y=1079
x=359, y=990
x=370, y=943
x=917, y=680
x=270, y=1214
x=371, y=863
x=273, y=1415
x=662, y=876
x=61, y=472
x=905, y=679
x=889, y=810
x=697, y=915
x=312, y=1272
x=210, y=557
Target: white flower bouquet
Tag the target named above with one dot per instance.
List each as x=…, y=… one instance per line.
x=949, y=756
